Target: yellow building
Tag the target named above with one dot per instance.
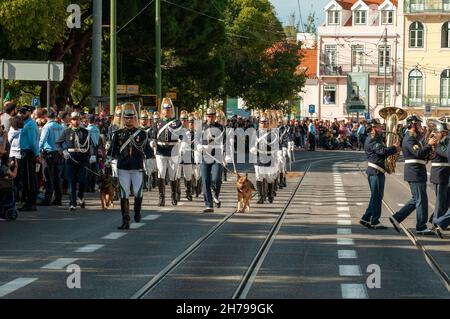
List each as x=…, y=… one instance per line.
x=426, y=59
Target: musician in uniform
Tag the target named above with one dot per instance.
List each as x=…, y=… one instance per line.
x=168, y=133
x=131, y=147
x=265, y=148
x=212, y=160
x=415, y=173
x=376, y=152
x=78, y=151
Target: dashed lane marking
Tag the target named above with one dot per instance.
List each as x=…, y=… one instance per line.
x=344, y=231
x=14, y=285
x=59, y=263
x=151, y=217
x=345, y=241
x=353, y=291
x=349, y=270
x=347, y=254
x=343, y=209
x=89, y=248
x=136, y=225
x=114, y=235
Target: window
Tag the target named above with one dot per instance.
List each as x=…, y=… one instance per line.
x=445, y=35
x=446, y=5
x=415, y=89
x=417, y=6
x=330, y=59
x=357, y=58
x=380, y=94
x=333, y=17
x=329, y=94
x=360, y=16
x=416, y=35
x=384, y=60
x=387, y=17
x=445, y=88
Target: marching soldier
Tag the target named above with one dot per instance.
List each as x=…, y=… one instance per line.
x=442, y=222
x=78, y=151
x=116, y=125
x=143, y=119
x=168, y=132
x=283, y=141
x=415, y=174
x=265, y=148
x=187, y=154
x=151, y=162
x=440, y=171
x=130, y=146
x=376, y=152
x=212, y=160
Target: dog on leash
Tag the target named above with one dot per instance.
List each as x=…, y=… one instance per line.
x=108, y=188
x=245, y=189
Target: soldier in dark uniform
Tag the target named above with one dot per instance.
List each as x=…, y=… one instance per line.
x=440, y=172
x=151, y=162
x=265, y=148
x=442, y=222
x=415, y=174
x=376, y=152
x=131, y=147
x=78, y=151
x=283, y=142
x=169, y=132
x=187, y=154
x=212, y=160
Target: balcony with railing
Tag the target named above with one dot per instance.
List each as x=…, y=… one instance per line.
x=433, y=100
x=427, y=6
x=344, y=69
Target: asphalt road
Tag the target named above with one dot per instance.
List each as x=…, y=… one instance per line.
x=320, y=251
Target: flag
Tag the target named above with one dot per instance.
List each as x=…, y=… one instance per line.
x=7, y=97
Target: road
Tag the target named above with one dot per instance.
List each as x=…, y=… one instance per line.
x=318, y=251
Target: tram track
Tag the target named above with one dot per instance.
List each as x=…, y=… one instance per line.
x=431, y=261
x=252, y=270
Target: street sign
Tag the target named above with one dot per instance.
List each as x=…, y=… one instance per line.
x=33, y=70
x=133, y=89
x=367, y=116
x=312, y=108
x=35, y=101
x=427, y=109
x=121, y=89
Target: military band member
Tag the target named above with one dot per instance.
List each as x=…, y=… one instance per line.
x=169, y=130
x=78, y=151
x=212, y=160
x=376, y=152
x=265, y=148
x=442, y=222
x=415, y=174
x=131, y=147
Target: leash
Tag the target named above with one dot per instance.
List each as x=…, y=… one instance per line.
x=88, y=169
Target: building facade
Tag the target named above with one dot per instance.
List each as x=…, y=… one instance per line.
x=426, y=60
x=360, y=36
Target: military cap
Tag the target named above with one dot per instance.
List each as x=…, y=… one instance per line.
x=211, y=111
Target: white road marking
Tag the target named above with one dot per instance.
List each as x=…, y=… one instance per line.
x=343, y=209
x=342, y=203
x=136, y=225
x=349, y=270
x=114, y=235
x=354, y=291
x=89, y=248
x=59, y=263
x=347, y=254
x=15, y=285
x=401, y=205
x=345, y=241
x=359, y=204
x=340, y=199
x=344, y=231
x=344, y=215
x=151, y=217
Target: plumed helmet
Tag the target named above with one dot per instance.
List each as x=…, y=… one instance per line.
x=211, y=111
x=166, y=103
x=75, y=115
x=144, y=115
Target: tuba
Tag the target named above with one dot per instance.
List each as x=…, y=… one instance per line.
x=433, y=126
x=392, y=115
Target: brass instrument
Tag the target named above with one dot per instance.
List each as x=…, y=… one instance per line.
x=432, y=126
x=392, y=115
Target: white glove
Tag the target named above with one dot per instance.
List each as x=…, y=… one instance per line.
x=280, y=155
x=253, y=150
x=66, y=154
x=199, y=147
x=92, y=159
x=152, y=144
x=228, y=159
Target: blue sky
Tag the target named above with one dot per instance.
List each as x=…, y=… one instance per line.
x=285, y=7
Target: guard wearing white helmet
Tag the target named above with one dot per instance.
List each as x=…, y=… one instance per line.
x=130, y=146
x=78, y=151
x=169, y=132
x=282, y=154
x=187, y=155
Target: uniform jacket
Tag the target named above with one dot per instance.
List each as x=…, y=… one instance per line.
x=440, y=174
x=78, y=143
x=377, y=152
x=413, y=149
x=168, y=137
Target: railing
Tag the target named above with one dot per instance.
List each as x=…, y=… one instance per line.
x=344, y=69
x=433, y=100
x=427, y=6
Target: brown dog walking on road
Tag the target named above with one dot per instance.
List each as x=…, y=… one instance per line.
x=108, y=188
x=245, y=189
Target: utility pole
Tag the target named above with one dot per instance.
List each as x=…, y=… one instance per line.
x=113, y=60
x=385, y=62
x=96, y=71
x=158, y=50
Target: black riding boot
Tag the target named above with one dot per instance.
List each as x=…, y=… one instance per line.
x=282, y=181
x=137, y=209
x=259, y=188
x=173, y=188
x=154, y=179
x=162, y=191
x=198, y=188
x=225, y=175
x=125, y=208
x=188, y=186
x=270, y=192
x=178, y=190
